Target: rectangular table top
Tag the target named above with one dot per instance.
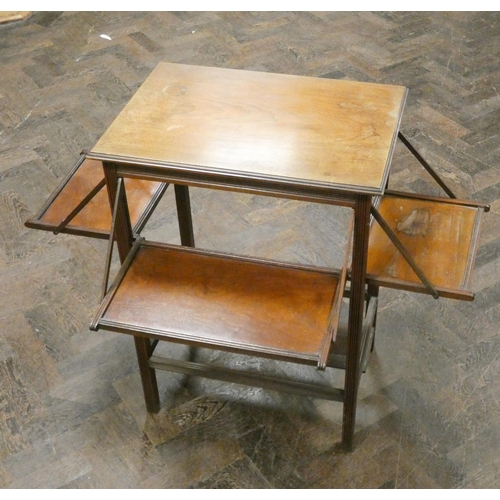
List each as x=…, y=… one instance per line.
x=308, y=131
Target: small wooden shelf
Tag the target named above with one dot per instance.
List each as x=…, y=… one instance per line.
x=441, y=235
x=224, y=301
x=94, y=219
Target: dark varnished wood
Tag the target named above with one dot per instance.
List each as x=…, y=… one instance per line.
x=283, y=134
x=122, y=224
x=330, y=339
x=94, y=219
x=441, y=236
x=119, y=199
x=426, y=165
x=404, y=252
x=449, y=201
x=201, y=177
x=122, y=234
x=224, y=302
x=254, y=379
x=356, y=316
x=144, y=350
x=184, y=216
x=311, y=131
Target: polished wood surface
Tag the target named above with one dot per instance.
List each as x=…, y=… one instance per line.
x=96, y=215
x=441, y=237
x=263, y=125
x=224, y=302
x=233, y=128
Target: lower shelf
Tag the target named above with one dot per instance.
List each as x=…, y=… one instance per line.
x=225, y=302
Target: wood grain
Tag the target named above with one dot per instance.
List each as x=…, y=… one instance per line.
x=291, y=127
x=95, y=217
x=440, y=237
x=225, y=302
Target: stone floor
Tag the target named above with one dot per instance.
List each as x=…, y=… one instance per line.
x=71, y=408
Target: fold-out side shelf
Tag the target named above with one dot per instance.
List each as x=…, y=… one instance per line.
x=83, y=191
x=207, y=299
x=440, y=235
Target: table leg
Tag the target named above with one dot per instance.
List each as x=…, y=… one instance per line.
x=185, y=228
x=148, y=375
x=123, y=226
x=184, y=215
x=124, y=242
x=373, y=291
x=356, y=313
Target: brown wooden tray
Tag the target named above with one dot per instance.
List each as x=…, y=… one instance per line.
x=94, y=220
x=441, y=235
x=222, y=301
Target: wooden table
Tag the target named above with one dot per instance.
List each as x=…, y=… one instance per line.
x=311, y=139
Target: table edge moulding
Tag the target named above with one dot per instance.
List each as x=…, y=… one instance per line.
x=298, y=130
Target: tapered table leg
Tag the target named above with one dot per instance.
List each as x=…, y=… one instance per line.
x=124, y=241
x=185, y=219
x=184, y=215
x=356, y=313
x=373, y=291
x=148, y=375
